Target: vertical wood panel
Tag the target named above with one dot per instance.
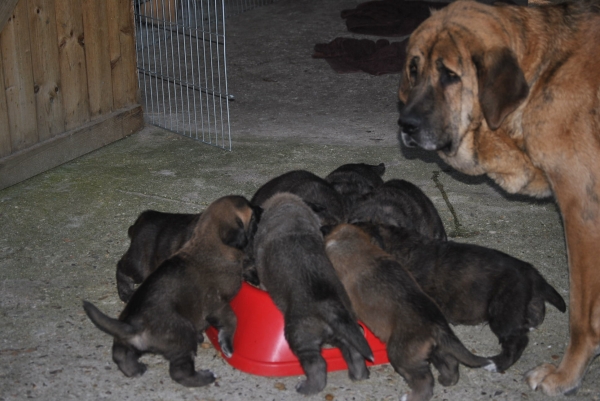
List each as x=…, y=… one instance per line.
x=122, y=52
x=18, y=79
x=73, y=74
x=46, y=69
x=5, y=147
x=97, y=56
x=6, y=9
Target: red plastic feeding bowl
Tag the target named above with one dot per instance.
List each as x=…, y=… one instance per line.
x=260, y=347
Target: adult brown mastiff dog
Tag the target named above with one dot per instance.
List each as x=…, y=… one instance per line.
x=513, y=92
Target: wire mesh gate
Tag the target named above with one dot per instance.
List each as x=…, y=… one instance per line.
x=182, y=65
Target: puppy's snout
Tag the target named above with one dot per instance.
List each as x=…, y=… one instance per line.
x=410, y=124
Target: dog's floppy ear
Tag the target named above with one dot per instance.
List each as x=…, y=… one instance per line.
x=502, y=84
x=234, y=234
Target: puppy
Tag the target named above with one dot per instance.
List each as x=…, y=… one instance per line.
x=355, y=180
x=187, y=292
x=312, y=189
x=317, y=193
x=293, y=268
x=155, y=236
x=400, y=203
x=388, y=300
x=472, y=285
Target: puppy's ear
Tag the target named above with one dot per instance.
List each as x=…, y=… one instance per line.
x=502, y=84
x=317, y=208
x=234, y=234
x=380, y=169
x=325, y=230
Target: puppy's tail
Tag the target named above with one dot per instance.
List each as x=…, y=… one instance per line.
x=348, y=329
x=450, y=344
x=547, y=292
x=107, y=324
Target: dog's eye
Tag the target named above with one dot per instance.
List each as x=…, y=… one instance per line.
x=447, y=76
x=413, y=70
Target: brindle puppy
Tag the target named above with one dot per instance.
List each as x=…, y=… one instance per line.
x=293, y=268
x=355, y=180
x=389, y=301
x=400, y=203
x=155, y=236
x=473, y=285
x=187, y=292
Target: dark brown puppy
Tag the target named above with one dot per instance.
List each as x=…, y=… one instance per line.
x=509, y=92
x=392, y=305
x=355, y=180
x=314, y=190
x=187, y=292
x=293, y=268
x=400, y=203
x=155, y=237
x=473, y=284
x=317, y=193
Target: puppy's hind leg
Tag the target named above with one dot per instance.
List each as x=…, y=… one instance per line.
x=305, y=340
x=180, y=350
x=126, y=357
x=181, y=369
x=447, y=366
x=409, y=360
x=357, y=369
x=224, y=320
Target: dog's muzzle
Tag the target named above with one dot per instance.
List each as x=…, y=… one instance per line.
x=409, y=126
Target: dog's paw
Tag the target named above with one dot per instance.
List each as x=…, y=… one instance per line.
x=491, y=367
x=226, y=343
x=309, y=387
x=550, y=381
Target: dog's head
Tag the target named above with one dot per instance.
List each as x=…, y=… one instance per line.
x=233, y=219
x=460, y=76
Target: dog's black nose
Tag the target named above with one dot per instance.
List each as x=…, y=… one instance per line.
x=409, y=124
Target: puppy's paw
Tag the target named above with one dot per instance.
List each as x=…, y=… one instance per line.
x=551, y=381
x=307, y=387
x=226, y=343
x=491, y=367
x=198, y=379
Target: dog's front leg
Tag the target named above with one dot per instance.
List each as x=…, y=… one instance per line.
x=579, y=202
x=224, y=320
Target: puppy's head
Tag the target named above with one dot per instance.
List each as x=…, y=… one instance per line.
x=359, y=178
x=459, y=74
x=233, y=219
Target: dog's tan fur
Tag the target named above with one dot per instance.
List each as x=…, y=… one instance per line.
x=515, y=95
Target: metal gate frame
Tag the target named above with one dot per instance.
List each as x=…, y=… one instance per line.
x=182, y=67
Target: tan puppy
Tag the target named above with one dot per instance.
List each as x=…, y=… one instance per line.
x=390, y=302
x=514, y=93
x=192, y=289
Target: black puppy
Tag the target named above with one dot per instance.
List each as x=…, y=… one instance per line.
x=155, y=237
x=355, y=180
x=312, y=189
x=400, y=203
x=186, y=293
x=473, y=284
x=389, y=301
x=293, y=268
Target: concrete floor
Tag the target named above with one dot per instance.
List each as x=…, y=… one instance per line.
x=63, y=231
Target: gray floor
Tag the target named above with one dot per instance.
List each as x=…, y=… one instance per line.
x=63, y=231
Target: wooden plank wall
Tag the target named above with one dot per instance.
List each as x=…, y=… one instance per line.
x=64, y=65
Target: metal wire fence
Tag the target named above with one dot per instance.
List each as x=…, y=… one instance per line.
x=182, y=65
